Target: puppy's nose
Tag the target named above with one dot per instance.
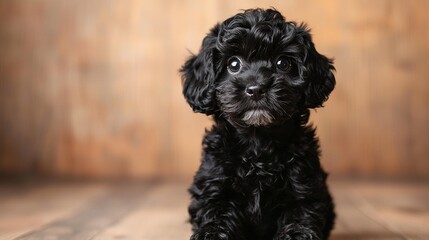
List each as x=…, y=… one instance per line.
x=255, y=92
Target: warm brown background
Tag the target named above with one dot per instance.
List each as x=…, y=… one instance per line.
x=91, y=88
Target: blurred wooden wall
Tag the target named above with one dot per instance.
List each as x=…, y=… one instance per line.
x=91, y=88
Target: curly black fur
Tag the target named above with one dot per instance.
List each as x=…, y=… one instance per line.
x=260, y=175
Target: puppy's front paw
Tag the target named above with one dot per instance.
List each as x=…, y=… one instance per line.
x=297, y=232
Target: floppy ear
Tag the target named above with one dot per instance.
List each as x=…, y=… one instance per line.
x=319, y=74
x=199, y=74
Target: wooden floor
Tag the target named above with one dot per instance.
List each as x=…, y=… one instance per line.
x=157, y=211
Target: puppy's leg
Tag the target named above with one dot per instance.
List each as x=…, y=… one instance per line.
x=310, y=217
x=214, y=214
x=307, y=221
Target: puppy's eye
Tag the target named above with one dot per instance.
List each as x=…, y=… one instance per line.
x=284, y=64
x=234, y=65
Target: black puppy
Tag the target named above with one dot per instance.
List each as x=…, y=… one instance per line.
x=260, y=176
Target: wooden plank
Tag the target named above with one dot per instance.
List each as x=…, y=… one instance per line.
x=352, y=223
x=401, y=208
x=94, y=217
x=28, y=206
x=162, y=216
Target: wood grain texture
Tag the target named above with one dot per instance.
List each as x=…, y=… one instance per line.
x=27, y=207
x=91, y=88
x=99, y=214
x=135, y=211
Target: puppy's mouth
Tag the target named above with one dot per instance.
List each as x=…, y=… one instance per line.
x=257, y=117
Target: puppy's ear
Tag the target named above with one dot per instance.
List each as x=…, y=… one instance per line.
x=198, y=76
x=319, y=74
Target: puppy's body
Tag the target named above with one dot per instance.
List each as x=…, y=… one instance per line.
x=260, y=176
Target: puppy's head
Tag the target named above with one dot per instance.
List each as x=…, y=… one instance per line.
x=256, y=69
